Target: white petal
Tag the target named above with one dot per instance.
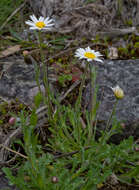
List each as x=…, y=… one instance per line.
x=33, y=28
x=30, y=23
x=41, y=19
x=88, y=49
x=34, y=19
x=49, y=21
x=82, y=51
x=77, y=52
x=46, y=19
x=99, y=60
x=98, y=54
x=48, y=25
x=116, y=87
x=89, y=60
x=77, y=55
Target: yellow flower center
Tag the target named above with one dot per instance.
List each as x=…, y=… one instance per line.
x=90, y=55
x=40, y=24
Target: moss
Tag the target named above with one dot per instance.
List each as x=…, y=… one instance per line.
x=59, y=60
x=48, y=36
x=1, y=122
x=106, y=52
x=133, y=52
x=136, y=45
x=21, y=106
x=129, y=22
x=97, y=39
x=137, y=38
x=3, y=108
x=122, y=50
x=126, y=37
x=51, y=60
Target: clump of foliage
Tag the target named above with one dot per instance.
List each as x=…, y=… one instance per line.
x=81, y=162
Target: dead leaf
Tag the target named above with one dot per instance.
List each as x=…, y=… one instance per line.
x=113, y=53
x=76, y=73
x=10, y=51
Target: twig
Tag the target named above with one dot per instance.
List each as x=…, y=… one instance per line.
x=9, y=149
x=129, y=184
x=118, y=32
x=9, y=161
x=70, y=153
x=83, y=123
x=76, y=83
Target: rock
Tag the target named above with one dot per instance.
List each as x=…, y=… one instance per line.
x=124, y=73
x=87, y=19
x=18, y=81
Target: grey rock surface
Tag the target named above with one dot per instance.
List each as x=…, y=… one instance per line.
x=87, y=18
x=18, y=80
x=124, y=73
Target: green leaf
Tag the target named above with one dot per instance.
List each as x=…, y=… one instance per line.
x=38, y=99
x=33, y=118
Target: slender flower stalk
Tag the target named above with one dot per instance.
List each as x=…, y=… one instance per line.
x=119, y=94
x=45, y=77
x=93, y=91
x=42, y=24
x=110, y=119
x=37, y=76
x=78, y=103
x=90, y=55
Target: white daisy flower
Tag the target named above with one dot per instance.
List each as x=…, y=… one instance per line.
x=88, y=54
x=39, y=24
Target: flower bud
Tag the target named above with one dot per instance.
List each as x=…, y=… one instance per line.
x=137, y=149
x=118, y=92
x=54, y=179
x=25, y=53
x=12, y=120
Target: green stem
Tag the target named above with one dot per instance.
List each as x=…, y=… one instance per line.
x=45, y=78
x=78, y=103
x=37, y=76
x=91, y=105
x=109, y=120
x=92, y=101
x=91, y=93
